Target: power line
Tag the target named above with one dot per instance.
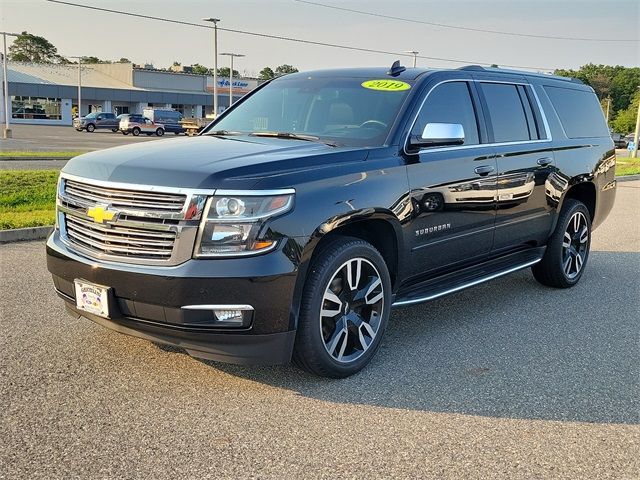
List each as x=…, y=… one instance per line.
x=291, y=39
x=470, y=29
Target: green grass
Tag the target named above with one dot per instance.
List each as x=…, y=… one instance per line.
x=27, y=153
x=27, y=198
x=627, y=166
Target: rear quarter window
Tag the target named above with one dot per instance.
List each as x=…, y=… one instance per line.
x=579, y=112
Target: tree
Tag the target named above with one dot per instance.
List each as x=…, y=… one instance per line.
x=124, y=60
x=284, y=69
x=32, y=48
x=625, y=120
x=199, y=69
x=92, y=59
x=266, y=74
x=224, y=72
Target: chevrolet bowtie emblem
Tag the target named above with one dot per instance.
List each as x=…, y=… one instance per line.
x=101, y=213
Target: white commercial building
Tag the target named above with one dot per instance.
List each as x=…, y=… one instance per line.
x=47, y=94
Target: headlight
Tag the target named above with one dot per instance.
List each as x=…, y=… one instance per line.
x=232, y=225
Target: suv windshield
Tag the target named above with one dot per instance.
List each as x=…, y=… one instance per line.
x=335, y=110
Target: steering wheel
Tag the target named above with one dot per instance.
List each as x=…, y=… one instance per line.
x=374, y=123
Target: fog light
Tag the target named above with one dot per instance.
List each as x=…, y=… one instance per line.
x=230, y=316
x=218, y=315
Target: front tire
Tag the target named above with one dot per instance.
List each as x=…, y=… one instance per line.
x=568, y=249
x=91, y=127
x=345, y=309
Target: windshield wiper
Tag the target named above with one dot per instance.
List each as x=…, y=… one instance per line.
x=222, y=133
x=293, y=136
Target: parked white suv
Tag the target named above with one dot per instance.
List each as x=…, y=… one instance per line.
x=136, y=125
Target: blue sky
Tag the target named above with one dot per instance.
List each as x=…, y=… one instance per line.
x=78, y=31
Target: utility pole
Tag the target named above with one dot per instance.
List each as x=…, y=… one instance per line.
x=634, y=152
x=608, y=109
x=215, y=62
x=231, y=74
x=415, y=56
x=7, y=128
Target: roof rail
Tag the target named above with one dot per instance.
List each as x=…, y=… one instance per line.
x=472, y=67
x=479, y=68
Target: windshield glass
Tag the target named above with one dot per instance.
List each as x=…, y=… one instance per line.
x=91, y=115
x=336, y=110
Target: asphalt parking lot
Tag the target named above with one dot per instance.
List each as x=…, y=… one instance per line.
x=46, y=138
x=505, y=380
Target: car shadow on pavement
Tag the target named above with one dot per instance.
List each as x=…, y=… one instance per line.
x=510, y=348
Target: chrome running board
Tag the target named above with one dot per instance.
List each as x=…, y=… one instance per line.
x=466, y=278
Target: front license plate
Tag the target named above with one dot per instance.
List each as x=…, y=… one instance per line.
x=92, y=298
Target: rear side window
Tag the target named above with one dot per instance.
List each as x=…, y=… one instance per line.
x=579, y=112
x=507, y=112
x=449, y=103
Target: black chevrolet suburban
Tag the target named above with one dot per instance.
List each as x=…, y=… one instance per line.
x=320, y=201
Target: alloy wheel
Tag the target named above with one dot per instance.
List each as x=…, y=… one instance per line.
x=574, y=245
x=352, y=309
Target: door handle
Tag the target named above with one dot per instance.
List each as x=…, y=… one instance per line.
x=543, y=162
x=484, y=170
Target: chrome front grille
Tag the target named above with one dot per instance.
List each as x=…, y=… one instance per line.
x=120, y=198
x=120, y=241
x=145, y=224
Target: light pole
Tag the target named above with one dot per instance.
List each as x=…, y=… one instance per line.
x=231, y=75
x=7, y=129
x=79, y=83
x=415, y=56
x=215, y=62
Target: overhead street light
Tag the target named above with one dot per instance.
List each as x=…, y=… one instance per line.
x=415, y=56
x=231, y=75
x=215, y=62
x=7, y=130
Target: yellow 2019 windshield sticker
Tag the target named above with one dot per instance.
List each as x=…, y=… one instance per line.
x=386, y=85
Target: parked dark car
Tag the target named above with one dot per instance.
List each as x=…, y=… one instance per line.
x=320, y=201
x=171, y=119
x=619, y=140
x=95, y=121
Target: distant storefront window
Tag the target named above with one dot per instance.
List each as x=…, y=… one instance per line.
x=178, y=107
x=36, y=108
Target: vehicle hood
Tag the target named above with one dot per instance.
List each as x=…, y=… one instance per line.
x=207, y=161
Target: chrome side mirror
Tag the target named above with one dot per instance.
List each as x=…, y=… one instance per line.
x=439, y=134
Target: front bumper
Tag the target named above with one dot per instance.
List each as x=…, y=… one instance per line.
x=147, y=301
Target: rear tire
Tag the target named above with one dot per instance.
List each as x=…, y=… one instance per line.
x=114, y=130
x=159, y=132
x=345, y=309
x=567, y=251
x=135, y=131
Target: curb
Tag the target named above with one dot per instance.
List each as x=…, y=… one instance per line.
x=31, y=159
x=25, y=234
x=628, y=178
